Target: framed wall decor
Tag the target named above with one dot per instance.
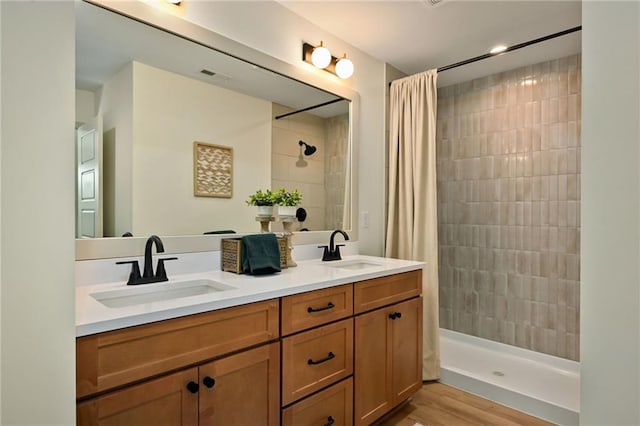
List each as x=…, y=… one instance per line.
x=212, y=170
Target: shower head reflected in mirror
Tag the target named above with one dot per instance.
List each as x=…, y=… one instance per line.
x=309, y=149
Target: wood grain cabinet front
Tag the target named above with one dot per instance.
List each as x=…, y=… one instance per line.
x=306, y=310
x=108, y=360
x=330, y=407
x=388, y=358
x=241, y=389
x=315, y=359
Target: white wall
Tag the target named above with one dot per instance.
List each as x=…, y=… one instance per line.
x=275, y=30
x=115, y=101
x=37, y=197
x=171, y=112
x=610, y=297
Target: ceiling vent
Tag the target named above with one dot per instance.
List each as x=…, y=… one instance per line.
x=207, y=72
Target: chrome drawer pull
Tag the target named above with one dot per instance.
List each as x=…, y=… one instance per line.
x=320, y=361
x=330, y=421
x=330, y=305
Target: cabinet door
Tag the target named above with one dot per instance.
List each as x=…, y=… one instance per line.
x=373, y=365
x=163, y=401
x=242, y=389
x=388, y=364
x=407, y=348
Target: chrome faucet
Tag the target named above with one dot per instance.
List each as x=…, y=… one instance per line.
x=332, y=252
x=148, y=276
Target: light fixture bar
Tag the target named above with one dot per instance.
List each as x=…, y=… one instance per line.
x=510, y=48
x=307, y=50
x=298, y=111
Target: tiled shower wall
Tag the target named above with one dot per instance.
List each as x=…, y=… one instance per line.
x=508, y=150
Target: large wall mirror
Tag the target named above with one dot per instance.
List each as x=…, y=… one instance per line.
x=145, y=96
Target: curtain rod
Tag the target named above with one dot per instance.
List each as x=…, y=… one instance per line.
x=509, y=49
x=278, y=117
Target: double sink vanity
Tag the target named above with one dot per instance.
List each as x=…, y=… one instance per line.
x=323, y=343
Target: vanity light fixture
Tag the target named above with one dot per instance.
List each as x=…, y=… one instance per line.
x=176, y=2
x=344, y=67
x=321, y=58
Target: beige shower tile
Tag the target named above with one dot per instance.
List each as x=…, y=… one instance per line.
x=553, y=246
x=536, y=217
x=553, y=213
x=526, y=213
x=561, y=263
x=572, y=213
x=573, y=107
x=574, y=82
x=573, y=268
x=572, y=346
x=553, y=187
x=562, y=213
x=562, y=187
x=538, y=343
x=573, y=241
x=561, y=344
x=544, y=216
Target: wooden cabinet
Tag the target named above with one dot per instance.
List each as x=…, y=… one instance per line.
x=332, y=406
x=241, y=389
x=388, y=358
x=163, y=401
x=306, y=310
x=108, y=360
x=348, y=354
x=315, y=359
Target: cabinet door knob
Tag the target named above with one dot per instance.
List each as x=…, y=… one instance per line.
x=193, y=387
x=209, y=382
x=320, y=361
x=395, y=315
x=330, y=421
x=398, y=314
x=330, y=305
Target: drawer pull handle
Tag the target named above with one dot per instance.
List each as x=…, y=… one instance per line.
x=330, y=305
x=193, y=387
x=320, y=361
x=395, y=315
x=209, y=382
x=330, y=421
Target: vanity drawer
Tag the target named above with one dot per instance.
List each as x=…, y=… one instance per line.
x=332, y=406
x=111, y=359
x=302, y=311
x=383, y=291
x=315, y=359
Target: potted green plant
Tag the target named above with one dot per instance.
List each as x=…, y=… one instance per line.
x=287, y=201
x=263, y=200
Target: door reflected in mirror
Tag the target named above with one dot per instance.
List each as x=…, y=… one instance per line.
x=146, y=89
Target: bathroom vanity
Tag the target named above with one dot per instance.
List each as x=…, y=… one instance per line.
x=324, y=343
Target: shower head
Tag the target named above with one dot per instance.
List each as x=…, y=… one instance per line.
x=309, y=149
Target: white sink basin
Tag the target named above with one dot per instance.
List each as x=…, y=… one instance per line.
x=158, y=292
x=353, y=264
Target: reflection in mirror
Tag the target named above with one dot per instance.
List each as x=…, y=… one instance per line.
x=145, y=96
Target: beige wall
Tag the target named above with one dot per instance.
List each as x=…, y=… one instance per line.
x=509, y=207
x=610, y=249
x=287, y=169
x=368, y=80
x=37, y=228
x=171, y=112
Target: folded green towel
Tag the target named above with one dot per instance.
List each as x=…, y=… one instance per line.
x=260, y=254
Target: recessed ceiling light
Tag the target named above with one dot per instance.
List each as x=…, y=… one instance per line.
x=498, y=49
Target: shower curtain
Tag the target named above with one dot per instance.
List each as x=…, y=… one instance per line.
x=412, y=226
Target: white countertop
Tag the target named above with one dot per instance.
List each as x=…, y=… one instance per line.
x=93, y=317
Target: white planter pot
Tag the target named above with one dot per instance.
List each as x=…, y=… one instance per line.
x=265, y=211
x=287, y=210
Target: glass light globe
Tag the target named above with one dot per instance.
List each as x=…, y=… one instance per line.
x=321, y=57
x=344, y=68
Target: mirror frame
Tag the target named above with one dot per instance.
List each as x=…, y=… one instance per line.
x=102, y=248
